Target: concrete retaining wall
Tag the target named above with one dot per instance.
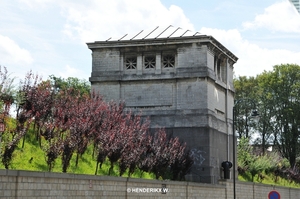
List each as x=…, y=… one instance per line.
x=44, y=185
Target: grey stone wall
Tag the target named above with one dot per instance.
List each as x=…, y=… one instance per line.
x=16, y=184
x=193, y=99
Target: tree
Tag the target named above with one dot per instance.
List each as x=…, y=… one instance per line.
x=181, y=166
x=266, y=124
x=68, y=118
x=281, y=88
x=41, y=100
x=83, y=118
x=23, y=117
x=250, y=161
x=7, y=95
x=135, y=135
x=246, y=94
x=165, y=151
x=58, y=83
x=109, y=137
x=7, y=92
x=71, y=115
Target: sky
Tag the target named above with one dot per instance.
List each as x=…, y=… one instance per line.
x=49, y=37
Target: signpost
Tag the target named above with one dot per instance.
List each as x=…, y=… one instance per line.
x=274, y=195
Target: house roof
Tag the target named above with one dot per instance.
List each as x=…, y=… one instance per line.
x=161, y=36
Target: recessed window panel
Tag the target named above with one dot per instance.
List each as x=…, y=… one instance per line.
x=149, y=62
x=130, y=63
x=168, y=61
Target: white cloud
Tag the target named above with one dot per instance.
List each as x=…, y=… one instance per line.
x=96, y=20
x=99, y=20
x=253, y=59
x=36, y=4
x=11, y=52
x=281, y=16
x=70, y=72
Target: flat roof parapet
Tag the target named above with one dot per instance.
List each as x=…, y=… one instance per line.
x=201, y=39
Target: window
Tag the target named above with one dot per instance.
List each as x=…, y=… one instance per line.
x=130, y=63
x=219, y=69
x=149, y=62
x=168, y=61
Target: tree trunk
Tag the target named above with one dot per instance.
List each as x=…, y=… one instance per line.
x=23, y=143
x=77, y=158
x=96, y=168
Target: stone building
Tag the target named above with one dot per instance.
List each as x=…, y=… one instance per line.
x=296, y=3
x=182, y=83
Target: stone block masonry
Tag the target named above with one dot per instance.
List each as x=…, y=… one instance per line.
x=182, y=84
x=15, y=184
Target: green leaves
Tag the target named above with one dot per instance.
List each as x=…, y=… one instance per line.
x=276, y=94
x=254, y=163
x=282, y=86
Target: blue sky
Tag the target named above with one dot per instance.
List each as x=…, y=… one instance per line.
x=50, y=36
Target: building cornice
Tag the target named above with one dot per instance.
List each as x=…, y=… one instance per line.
x=198, y=39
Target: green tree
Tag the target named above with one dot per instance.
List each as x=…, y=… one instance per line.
x=246, y=95
x=259, y=165
x=71, y=82
x=253, y=163
x=244, y=154
x=7, y=92
x=265, y=126
x=281, y=88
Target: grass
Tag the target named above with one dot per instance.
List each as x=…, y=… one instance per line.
x=32, y=158
x=269, y=179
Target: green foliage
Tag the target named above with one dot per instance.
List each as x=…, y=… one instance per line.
x=259, y=165
x=246, y=96
x=270, y=180
x=245, y=87
x=32, y=158
x=7, y=91
x=249, y=162
x=244, y=153
x=270, y=168
x=276, y=94
x=71, y=82
x=281, y=88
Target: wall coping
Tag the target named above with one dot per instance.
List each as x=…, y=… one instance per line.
x=42, y=174
x=274, y=187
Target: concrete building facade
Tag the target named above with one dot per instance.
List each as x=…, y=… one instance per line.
x=296, y=3
x=184, y=84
